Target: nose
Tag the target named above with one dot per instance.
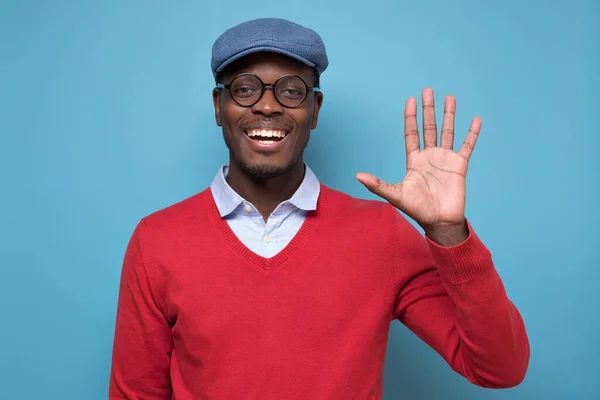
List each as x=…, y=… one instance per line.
x=268, y=104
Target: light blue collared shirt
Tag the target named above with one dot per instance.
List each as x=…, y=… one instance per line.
x=265, y=239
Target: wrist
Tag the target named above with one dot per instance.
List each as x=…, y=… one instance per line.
x=447, y=234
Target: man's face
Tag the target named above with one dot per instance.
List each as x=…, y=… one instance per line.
x=267, y=139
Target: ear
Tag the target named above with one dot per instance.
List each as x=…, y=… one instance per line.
x=317, y=103
x=216, y=95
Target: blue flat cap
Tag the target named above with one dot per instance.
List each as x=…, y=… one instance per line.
x=269, y=34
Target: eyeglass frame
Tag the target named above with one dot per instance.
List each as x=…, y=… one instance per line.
x=309, y=89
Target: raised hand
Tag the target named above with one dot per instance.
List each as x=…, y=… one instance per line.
x=433, y=191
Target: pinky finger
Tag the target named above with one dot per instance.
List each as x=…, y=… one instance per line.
x=469, y=144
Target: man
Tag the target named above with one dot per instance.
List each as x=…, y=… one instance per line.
x=271, y=285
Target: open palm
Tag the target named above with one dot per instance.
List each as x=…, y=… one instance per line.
x=433, y=191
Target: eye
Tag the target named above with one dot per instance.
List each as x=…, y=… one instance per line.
x=244, y=91
x=292, y=92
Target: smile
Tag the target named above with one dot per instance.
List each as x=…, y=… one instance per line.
x=266, y=140
x=266, y=137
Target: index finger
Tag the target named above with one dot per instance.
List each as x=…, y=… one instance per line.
x=411, y=128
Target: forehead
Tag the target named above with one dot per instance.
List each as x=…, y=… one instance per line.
x=268, y=66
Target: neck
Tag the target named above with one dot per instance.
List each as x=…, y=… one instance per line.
x=265, y=194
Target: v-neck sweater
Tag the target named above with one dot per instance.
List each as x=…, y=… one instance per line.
x=201, y=316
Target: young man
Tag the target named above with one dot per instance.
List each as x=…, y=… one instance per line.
x=271, y=285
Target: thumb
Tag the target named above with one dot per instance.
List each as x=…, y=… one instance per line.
x=377, y=186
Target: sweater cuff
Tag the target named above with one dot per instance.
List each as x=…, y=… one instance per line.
x=464, y=261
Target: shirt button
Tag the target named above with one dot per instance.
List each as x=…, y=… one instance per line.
x=267, y=239
x=247, y=208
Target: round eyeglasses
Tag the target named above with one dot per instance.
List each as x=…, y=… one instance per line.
x=247, y=90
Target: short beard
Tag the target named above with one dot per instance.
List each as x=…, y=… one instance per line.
x=264, y=171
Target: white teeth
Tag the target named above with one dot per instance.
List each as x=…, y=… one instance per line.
x=266, y=133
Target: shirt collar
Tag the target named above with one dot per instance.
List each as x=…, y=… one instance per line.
x=227, y=199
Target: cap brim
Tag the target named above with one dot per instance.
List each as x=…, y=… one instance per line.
x=267, y=49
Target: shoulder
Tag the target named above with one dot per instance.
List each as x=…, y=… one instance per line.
x=364, y=211
x=379, y=227
x=344, y=202
x=341, y=201
x=177, y=216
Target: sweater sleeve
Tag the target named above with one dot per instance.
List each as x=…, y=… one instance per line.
x=455, y=301
x=142, y=342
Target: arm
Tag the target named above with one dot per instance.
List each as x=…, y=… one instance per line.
x=142, y=343
x=457, y=304
x=454, y=299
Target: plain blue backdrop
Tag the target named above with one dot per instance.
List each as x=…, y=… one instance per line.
x=106, y=116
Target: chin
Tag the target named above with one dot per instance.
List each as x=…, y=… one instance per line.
x=266, y=170
x=262, y=166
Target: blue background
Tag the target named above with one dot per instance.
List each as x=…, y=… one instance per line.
x=106, y=116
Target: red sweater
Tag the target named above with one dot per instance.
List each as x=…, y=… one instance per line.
x=200, y=316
